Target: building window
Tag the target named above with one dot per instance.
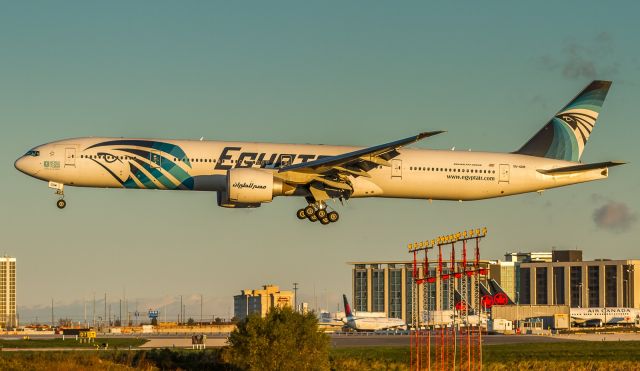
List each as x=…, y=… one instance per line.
x=576, y=286
x=626, y=283
x=446, y=287
x=525, y=285
x=395, y=293
x=360, y=290
x=593, y=278
x=409, y=293
x=611, y=287
x=541, y=285
x=377, y=293
x=558, y=285
x=431, y=291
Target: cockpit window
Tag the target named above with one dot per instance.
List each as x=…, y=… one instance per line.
x=33, y=153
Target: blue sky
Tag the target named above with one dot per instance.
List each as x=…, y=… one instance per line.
x=359, y=73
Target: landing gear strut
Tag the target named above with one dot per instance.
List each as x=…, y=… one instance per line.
x=59, y=187
x=318, y=211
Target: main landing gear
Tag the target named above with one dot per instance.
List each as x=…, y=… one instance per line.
x=61, y=203
x=318, y=212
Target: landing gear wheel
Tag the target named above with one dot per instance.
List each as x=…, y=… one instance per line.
x=310, y=210
x=333, y=216
x=313, y=218
x=61, y=204
x=325, y=221
x=321, y=214
x=301, y=214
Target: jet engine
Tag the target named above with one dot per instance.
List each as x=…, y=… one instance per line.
x=252, y=186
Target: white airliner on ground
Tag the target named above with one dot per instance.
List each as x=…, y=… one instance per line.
x=596, y=317
x=246, y=174
x=370, y=323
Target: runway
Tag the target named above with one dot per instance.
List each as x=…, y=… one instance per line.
x=362, y=340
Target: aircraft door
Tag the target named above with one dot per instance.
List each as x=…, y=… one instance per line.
x=286, y=160
x=396, y=169
x=156, y=159
x=69, y=156
x=504, y=173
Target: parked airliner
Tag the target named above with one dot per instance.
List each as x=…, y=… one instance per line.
x=370, y=323
x=247, y=174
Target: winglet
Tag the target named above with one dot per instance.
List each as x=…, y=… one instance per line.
x=427, y=134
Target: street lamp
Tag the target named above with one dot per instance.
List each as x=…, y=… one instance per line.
x=628, y=280
x=580, y=295
x=625, y=287
x=518, y=309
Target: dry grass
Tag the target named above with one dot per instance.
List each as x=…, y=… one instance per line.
x=61, y=361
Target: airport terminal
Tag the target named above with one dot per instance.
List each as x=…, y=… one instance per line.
x=554, y=278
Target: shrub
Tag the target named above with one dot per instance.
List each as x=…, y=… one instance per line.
x=283, y=340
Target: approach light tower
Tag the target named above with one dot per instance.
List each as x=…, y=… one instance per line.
x=457, y=340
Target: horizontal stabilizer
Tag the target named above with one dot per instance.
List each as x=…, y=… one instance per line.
x=582, y=167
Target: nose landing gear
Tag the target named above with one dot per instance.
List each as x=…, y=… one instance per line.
x=61, y=203
x=318, y=212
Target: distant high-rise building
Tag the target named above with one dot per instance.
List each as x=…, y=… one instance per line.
x=8, y=317
x=260, y=301
x=528, y=257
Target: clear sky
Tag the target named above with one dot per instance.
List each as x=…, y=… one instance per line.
x=336, y=72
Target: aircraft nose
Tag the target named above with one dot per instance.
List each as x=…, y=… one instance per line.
x=21, y=164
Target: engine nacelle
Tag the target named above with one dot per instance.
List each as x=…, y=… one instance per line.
x=223, y=201
x=251, y=186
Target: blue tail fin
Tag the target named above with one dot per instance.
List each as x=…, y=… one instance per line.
x=566, y=134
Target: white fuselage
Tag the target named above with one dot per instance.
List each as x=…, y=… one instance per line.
x=375, y=323
x=610, y=315
x=203, y=165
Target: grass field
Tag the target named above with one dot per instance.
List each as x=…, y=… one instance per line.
x=114, y=343
x=538, y=356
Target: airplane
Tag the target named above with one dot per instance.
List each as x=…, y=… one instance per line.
x=461, y=305
x=248, y=174
x=486, y=299
x=597, y=317
x=370, y=323
x=499, y=296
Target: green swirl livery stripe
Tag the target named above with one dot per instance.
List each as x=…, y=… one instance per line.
x=145, y=171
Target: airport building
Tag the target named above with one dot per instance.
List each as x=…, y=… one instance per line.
x=387, y=286
x=507, y=275
x=565, y=279
x=527, y=257
x=8, y=316
x=260, y=301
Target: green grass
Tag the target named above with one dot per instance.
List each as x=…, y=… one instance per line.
x=538, y=356
x=565, y=351
x=70, y=343
x=561, y=351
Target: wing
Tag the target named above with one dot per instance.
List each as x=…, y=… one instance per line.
x=328, y=177
x=376, y=155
